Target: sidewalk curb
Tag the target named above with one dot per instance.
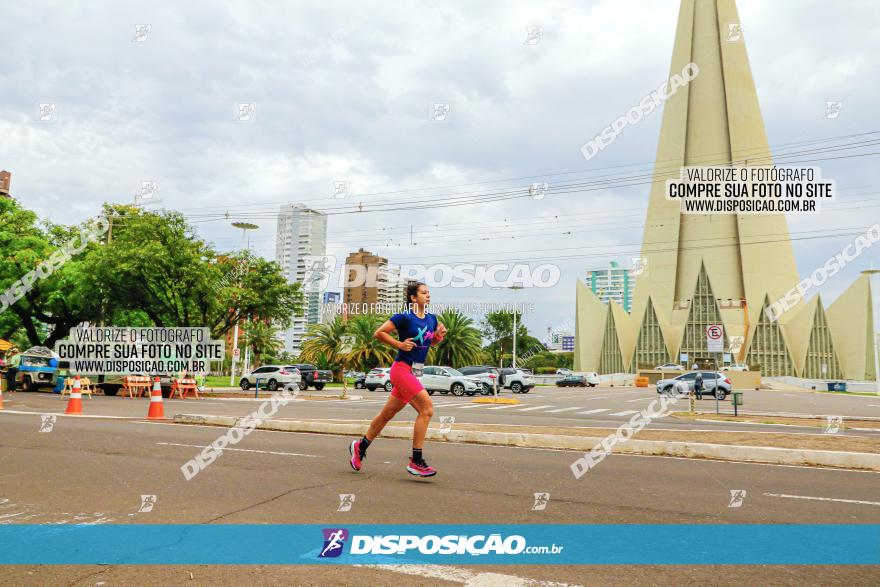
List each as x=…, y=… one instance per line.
x=723, y=452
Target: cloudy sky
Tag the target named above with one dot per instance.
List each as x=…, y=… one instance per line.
x=344, y=91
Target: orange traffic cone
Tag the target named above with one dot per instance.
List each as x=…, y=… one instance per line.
x=157, y=410
x=75, y=404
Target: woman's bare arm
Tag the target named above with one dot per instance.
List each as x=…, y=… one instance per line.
x=383, y=334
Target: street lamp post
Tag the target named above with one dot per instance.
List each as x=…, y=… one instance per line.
x=515, y=288
x=244, y=226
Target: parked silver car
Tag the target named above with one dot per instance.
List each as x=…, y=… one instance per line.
x=379, y=377
x=271, y=377
x=714, y=383
x=448, y=380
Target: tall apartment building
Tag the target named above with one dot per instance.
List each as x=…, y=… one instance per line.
x=302, y=234
x=395, y=290
x=371, y=280
x=5, y=179
x=614, y=283
x=366, y=279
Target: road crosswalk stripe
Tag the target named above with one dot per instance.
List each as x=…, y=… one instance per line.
x=471, y=406
x=503, y=407
x=563, y=410
x=638, y=399
x=599, y=411
x=624, y=413
x=534, y=408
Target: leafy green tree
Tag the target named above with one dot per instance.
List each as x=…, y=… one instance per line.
x=497, y=328
x=461, y=345
x=154, y=263
x=61, y=294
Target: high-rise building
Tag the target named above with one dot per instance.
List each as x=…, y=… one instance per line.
x=614, y=283
x=395, y=288
x=366, y=281
x=301, y=237
x=690, y=290
x=330, y=306
x=5, y=179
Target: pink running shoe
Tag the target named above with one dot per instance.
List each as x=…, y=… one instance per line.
x=420, y=469
x=355, y=450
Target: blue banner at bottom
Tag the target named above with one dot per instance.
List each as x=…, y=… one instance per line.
x=227, y=544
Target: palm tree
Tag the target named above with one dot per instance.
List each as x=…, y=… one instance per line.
x=461, y=346
x=322, y=343
x=262, y=338
x=367, y=352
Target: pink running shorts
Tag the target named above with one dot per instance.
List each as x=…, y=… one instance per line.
x=406, y=385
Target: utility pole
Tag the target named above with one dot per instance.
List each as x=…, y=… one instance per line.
x=515, y=288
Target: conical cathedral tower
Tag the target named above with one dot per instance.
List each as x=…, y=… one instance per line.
x=702, y=269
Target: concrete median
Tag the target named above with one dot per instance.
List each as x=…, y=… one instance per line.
x=689, y=449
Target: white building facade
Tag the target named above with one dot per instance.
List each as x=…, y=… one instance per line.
x=301, y=235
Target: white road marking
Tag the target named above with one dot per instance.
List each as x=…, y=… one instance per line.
x=503, y=407
x=594, y=398
x=471, y=406
x=823, y=498
x=624, y=413
x=465, y=576
x=599, y=411
x=533, y=408
x=453, y=405
x=638, y=399
x=564, y=410
x=265, y=452
x=72, y=415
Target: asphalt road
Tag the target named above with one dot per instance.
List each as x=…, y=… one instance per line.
x=96, y=470
x=544, y=406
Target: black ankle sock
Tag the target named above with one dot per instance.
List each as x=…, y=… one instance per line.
x=365, y=444
x=417, y=455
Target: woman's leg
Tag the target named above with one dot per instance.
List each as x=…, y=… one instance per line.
x=392, y=406
x=425, y=407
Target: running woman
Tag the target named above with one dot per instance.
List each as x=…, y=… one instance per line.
x=417, y=331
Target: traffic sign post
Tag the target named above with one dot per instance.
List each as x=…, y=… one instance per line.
x=715, y=338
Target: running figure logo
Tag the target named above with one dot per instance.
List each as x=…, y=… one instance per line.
x=147, y=503
x=446, y=423
x=48, y=422
x=541, y=501
x=346, y=500
x=833, y=425
x=737, y=496
x=334, y=541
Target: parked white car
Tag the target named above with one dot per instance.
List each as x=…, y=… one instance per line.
x=272, y=377
x=448, y=380
x=669, y=367
x=735, y=367
x=515, y=380
x=592, y=378
x=379, y=377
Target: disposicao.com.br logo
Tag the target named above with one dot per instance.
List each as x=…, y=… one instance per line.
x=452, y=544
